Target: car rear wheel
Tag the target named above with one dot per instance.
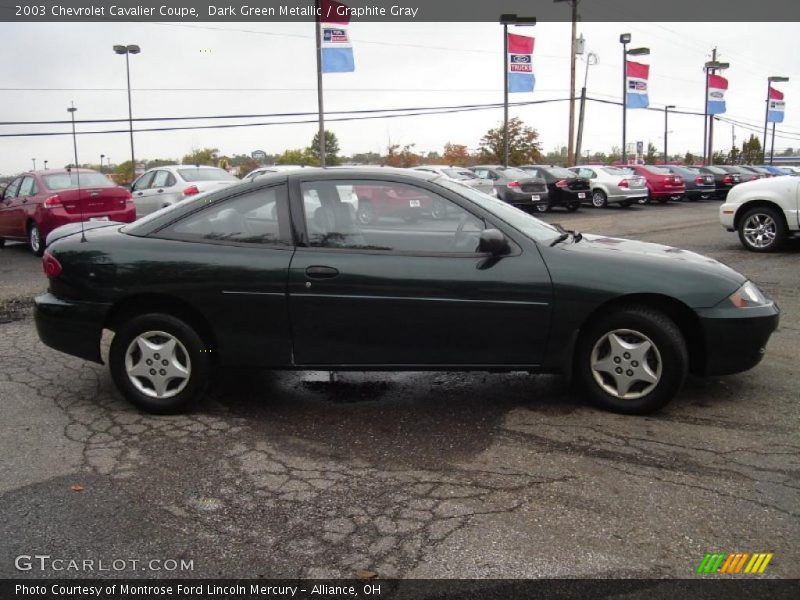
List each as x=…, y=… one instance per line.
x=573, y=206
x=599, y=199
x=762, y=230
x=365, y=213
x=543, y=207
x=35, y=240
x=643, y=200
x=626, y=203
x=159, y=363
x=633, y=360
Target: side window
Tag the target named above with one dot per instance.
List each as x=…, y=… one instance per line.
x=482, y=173
x=28, y=187
x=143, y=182
x=161, y=179
x=254, y=218
x=12, y=189
x=387, y=216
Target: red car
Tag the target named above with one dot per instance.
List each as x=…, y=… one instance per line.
x=661, y=184
x=37, y=202
x=378, y=201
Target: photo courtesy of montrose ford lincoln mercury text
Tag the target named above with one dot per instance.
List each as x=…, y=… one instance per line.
x=280, y=273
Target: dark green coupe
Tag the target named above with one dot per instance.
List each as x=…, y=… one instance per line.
x=279, y=273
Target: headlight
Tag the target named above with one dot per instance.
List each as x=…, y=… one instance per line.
x=748, y=296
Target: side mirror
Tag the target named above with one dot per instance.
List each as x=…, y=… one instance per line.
x=494, y=242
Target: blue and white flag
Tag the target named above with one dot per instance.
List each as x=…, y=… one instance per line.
x=636, y=85
x=520, y=63
x=337, y=51
x=776, y=106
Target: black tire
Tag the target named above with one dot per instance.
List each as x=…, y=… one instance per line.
x=706, y=196
x=365, y=213
x=2, y=242
x=626, y=203
x=35, y=240
x=662, y=200
x=773, y=223
x=599, y=199
x=644, y=200
x=543, y=207
x=573, y=206
x=643, y=324
x=190, y=348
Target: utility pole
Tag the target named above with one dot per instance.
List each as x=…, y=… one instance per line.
x=591, y=59
x=570, y=146
x=666, y=130
x=711, y=121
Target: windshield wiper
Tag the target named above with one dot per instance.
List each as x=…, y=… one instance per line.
x=560, y=238
x=565, y=234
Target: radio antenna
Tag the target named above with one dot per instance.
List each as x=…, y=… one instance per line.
x=71, y=111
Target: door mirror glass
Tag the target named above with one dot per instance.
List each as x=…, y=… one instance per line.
x=493, y=241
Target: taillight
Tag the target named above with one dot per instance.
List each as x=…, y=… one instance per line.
x=191, y=191
x=623, y=184
x=513, y=184
x=51, y=266
x=727, y=180
x=562, y=183
x=53, y=201
x=699, y=180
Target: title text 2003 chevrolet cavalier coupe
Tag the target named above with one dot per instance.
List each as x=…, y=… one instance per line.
x=279, y=273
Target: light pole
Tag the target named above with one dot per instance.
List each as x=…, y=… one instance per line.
x=127, y=51
x=591, y=59
x=770, y=81
x=45, y=165
x=625, y=39
x=102, y=156
x=711, y=67
x=570, y=156
x=666, y=130
x=34, y=163
x=505, y=21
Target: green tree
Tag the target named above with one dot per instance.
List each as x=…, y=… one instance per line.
x=331, y=148
x=457, y=155
x=206, y=156
x=689, y=158
x=298, y=156
x=246, y=166
x=158, y=162
x=366, y=158
x=523, y=144
x=751, y=150
x=719, y=158
x=650, y=156
x=734, y=156
x=123, y=174
x=615, y=155
x=788, y=152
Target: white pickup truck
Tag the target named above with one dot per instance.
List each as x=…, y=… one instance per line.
x=765, y=212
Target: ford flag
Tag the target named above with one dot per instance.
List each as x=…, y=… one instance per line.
x=520, y=63
x=636, y=85
x=337, y=52
x=717, y=87
x=776, y=106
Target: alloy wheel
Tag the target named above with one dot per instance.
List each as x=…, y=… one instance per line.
x=760, y=230
x=158, y=364
x=626, y=364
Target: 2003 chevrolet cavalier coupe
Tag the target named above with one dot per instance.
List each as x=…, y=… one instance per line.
x=279, y=273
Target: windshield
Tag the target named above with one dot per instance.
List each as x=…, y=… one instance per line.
x=66, y=181
x=616, y=172
x=459, y=174
x=657, y=170
x=195, y=174
x=716, y=170
x=514, y=173
x=561, y=172
x=516, y=218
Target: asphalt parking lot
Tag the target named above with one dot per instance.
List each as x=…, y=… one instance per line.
x=413, y=475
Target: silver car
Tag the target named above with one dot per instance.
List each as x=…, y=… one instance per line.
x=272, y=169
x=461, y=175
x=610, y=184
x=162, y=186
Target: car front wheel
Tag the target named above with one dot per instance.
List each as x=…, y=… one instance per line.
x=599, y=199
x=762, y=230
x=159, y=363
x=633, y=360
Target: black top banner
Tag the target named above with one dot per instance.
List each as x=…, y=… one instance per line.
x=445, y=11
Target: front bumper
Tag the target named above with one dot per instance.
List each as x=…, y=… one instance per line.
x=736, y=339
x=71, y=327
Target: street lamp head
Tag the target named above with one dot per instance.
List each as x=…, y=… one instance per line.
x=72, y=109
x=133, y=49
x=120, y=49
x=129, y=49
x=514, y=19
x=639, y=51
x=668, y=106
x=625, y=38
x=776, y=79
x=714, y=64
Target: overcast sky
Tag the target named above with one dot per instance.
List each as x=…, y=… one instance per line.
x=397, y=65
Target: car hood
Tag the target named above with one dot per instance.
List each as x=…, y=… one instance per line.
x=619, y=266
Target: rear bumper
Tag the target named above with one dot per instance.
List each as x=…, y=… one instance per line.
x=48, y=220
x=736, y=339
x=71, y=327
x=699, y=192
x=668, y=193
x=524, y=198
x=622, y=196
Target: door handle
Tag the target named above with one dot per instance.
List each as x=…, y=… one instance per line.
x=139, y=193
x=160, y=190
x=318, y=272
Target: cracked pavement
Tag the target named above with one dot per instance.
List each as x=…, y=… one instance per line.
x=415, y=475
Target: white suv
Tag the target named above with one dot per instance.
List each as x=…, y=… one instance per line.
x=765, y=212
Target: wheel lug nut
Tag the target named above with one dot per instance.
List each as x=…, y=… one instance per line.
x=629, y=373
x=162, y=372
x=149, y=362
x=152, y=371
x=635, y=363
x=157, y=356
x=165, y=363
x=618, y=370
x=627, y=355
x=617, y=359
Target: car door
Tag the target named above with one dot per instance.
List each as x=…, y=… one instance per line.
x=409, y=293
x=25, y=206
x=164, y=189
x=7, y=208
x=230, y=260
x=141, y=192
